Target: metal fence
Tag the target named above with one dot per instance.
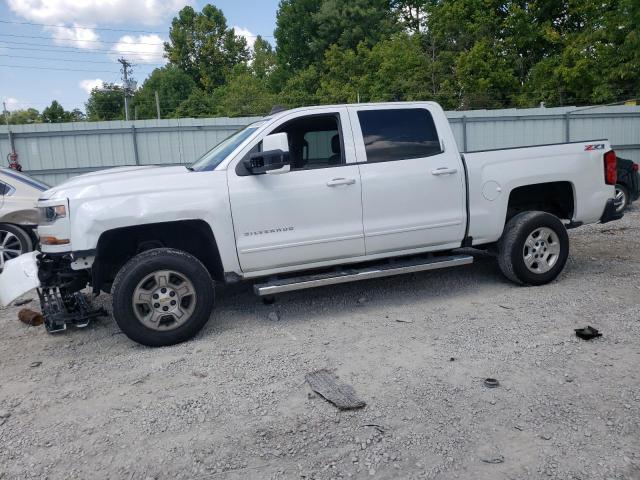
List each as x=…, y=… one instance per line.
x=55, y=152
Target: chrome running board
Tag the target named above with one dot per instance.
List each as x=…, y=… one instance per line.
x=354, y=274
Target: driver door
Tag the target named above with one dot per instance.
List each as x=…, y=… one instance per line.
x=312, y=212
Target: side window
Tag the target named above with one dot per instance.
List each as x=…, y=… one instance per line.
x=314, y=141
x=6, y=189
x=399, y=134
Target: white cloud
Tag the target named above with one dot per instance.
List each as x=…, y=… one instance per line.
x=149, y=12
x=139, y=49
x=78, y=37
x=243, y=32
x=11, y=103
x=90, y=83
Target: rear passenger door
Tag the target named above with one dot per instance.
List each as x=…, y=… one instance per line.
x=413, y=185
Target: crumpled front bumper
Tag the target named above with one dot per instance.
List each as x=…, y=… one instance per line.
x=20, y=275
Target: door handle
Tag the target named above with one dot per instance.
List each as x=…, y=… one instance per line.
x=340, y=181
x=444, y=171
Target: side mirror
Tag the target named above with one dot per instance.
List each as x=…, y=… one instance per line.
x=274, y=155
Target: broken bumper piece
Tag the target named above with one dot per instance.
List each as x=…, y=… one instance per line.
x=20, y=275
x=70, y=309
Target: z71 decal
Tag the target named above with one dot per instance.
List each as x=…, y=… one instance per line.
x=594, y=146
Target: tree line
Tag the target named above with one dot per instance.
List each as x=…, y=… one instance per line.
x=464, y=54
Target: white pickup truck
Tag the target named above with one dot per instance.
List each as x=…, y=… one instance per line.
x=306, y=197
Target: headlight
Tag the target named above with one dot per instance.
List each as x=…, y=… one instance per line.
x=53, y=213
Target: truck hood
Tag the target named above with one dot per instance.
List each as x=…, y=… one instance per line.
x=118, y=181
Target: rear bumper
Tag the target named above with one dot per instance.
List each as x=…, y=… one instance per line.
x=610, y=213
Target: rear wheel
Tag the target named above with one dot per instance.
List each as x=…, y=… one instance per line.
x=621, y=198
x=14, y=241
x=162, y=297
x=533, y=248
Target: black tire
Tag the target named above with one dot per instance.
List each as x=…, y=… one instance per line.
x=511, y=247
x=622, y=196
x=19, y=240
x=141, y=266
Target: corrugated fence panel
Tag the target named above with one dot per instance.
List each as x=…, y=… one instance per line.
x=55, y=152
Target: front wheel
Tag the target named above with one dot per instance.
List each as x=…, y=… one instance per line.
x=162, y=297
x=533, y=249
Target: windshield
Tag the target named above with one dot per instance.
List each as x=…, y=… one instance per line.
x=21, y=177
x=217, y=154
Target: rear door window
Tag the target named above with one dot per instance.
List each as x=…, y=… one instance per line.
x=398, y=134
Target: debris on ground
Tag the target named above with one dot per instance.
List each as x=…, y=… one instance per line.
x=327, y=385
x=587, y=333
x=19, y=303
x=30, y=317
x=491, y=383
x=496, y=459
x=35, y=364
x=400, y=320
x=379, y=428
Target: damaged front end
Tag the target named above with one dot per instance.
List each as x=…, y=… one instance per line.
x=61, y=299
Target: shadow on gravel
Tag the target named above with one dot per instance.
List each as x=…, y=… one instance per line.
x=388, y=293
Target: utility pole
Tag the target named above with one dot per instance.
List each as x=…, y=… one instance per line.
x=6, y=113
x=126, y=69
x=158, y=104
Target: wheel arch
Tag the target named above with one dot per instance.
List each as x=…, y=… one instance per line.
x=115, y=247
x=556, y=198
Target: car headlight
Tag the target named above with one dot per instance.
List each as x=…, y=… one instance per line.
x=53, y=213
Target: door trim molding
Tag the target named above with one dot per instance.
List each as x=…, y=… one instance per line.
x=413, y=229
x=301, y=244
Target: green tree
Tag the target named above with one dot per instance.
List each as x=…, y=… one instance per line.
x=485, y=77
x=106, y=103
x=77, y=115
x=348, y=24
x=295, y=31
x=198, y=105
x=21, y=117
x=202, y=45
x=411, y=14
x=301, y=89
x=263, y=58
x=55, y=113
x=173, y=85
x=244, y=95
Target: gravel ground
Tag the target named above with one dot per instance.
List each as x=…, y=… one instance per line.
x=233, y=403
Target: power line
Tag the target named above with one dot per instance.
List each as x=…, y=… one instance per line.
x=2, y=65
x=78, y=40
x=66, y=59
x=80, y=27
x=74, y=50
x=106, y=29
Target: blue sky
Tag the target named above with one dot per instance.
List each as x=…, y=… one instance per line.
x=59, y=49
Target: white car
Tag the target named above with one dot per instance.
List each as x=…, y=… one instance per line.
x=18, y=213
x=307, y=197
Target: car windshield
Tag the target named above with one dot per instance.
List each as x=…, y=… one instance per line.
x=217, y=154
x=32, y=182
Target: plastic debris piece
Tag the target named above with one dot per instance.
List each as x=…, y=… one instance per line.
x=587, y=333
x=19, y=303
x=491, y=383
x=327, y=385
